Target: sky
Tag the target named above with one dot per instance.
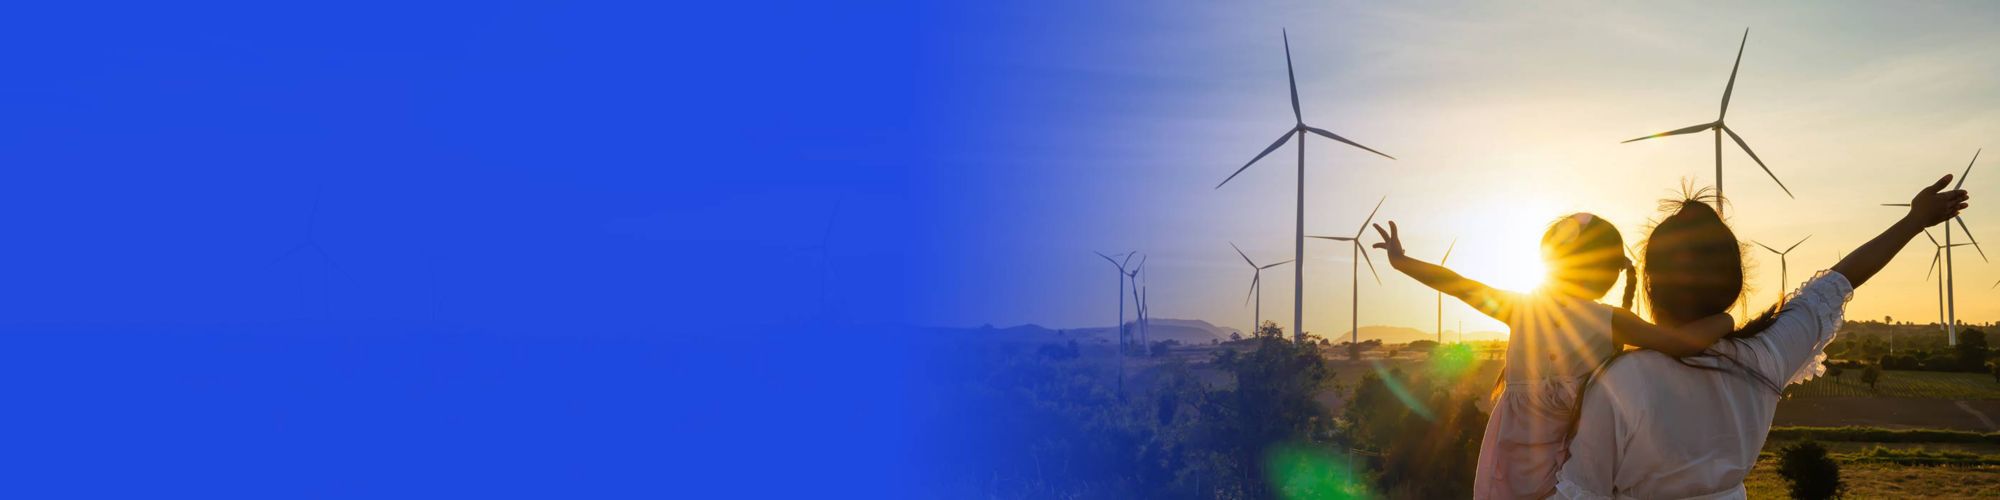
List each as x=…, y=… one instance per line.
x=1106, y=127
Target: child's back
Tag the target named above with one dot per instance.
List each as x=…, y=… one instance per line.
x=1554, y=342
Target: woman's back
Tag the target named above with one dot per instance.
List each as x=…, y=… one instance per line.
x=1652, y=427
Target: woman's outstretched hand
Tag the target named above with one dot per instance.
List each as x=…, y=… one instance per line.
x=1934, y=205
x=1392, y=240
x=1930, y=207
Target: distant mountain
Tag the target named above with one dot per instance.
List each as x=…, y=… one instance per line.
x=1404, y=335
x=1186, y=331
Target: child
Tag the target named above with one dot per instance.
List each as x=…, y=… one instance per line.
x=1557, y=335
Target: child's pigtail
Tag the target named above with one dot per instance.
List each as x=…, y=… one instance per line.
x=1631, y=284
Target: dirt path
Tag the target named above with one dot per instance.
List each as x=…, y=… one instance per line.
x=1982, y=417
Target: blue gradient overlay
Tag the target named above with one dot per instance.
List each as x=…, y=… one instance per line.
x=550, y=250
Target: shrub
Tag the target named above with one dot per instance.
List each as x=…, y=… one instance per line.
x=1812, y=474
x=1871, y=375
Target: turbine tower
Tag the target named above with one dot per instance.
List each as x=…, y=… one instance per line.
x=1784, y=271
x=311, y=243
x=1299, y=128
x=1119, y=353
x=1936, y=267
x=1720, y=128
x=1256, y=289
x=1139, y=308
x=1440, y=295
x=1354, y=345
x=1950, y=284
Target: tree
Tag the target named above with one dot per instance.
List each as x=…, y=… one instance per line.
x=1971, y=350
x=1871, y=375
x=1812, y=474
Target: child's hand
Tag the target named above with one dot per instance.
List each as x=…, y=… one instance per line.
x=1392, y=240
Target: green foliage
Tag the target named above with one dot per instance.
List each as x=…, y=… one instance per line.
x=1813, y=475
x=1424, y=440
x=1871, y=375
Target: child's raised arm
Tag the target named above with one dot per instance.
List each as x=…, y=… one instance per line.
x=1687, y=340
x=1487, y=300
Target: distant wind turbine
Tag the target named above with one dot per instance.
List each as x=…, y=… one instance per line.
x=1784, y=271
x=1440, y=295
x=1720, y=128
x=1936, y=267
x=1139, y=307
x=1119, y=353
x=1256, y=289
x=1300, y=128
x=310, y=243
x=1951, y=285
x=1361, y=253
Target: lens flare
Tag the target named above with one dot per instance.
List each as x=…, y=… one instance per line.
x=1298, y=471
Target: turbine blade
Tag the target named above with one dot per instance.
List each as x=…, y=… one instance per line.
x=1975, y=241
x=1934, y=241
x=1239, y=253
x=1935, y=257
x=1107, y=258
x=1330, y=135
x=1371, y=219
x=1895, y=204
x=1773, y=250
x=1287, y=261
x=1678, y=131
x=330, y=262
x=1447, y=251
x=1334, y=238
x=1796, y=245
x=1292, y=78
x=1968, y=168
x=1370, y=260
x=1253, y=289
x=1760, y=161
x=1260, y=156
x=1726, y=90
x=1128, y=260
x=288, y=254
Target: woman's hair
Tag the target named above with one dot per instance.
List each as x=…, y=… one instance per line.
x=1584, y=255
x=1694, y=269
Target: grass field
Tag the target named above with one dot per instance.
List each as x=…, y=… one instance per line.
x=1883, y=480
x=1902, y=384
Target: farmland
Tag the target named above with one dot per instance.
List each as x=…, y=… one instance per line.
x=1902, y=384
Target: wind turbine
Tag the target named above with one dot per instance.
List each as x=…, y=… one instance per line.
x=1256, y=288
x=1720, y=128
x=1138, y=307
x=1299, y=128
x=1119, y=354
x=310, y=243
x=1354, y=345
x=1784, y=272
x=1950, y=284
x=1440, y=295
x=1936, y=255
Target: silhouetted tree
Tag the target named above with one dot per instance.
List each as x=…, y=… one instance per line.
x=1812, y=474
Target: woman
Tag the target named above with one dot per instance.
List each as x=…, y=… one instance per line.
x=1652, y=426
